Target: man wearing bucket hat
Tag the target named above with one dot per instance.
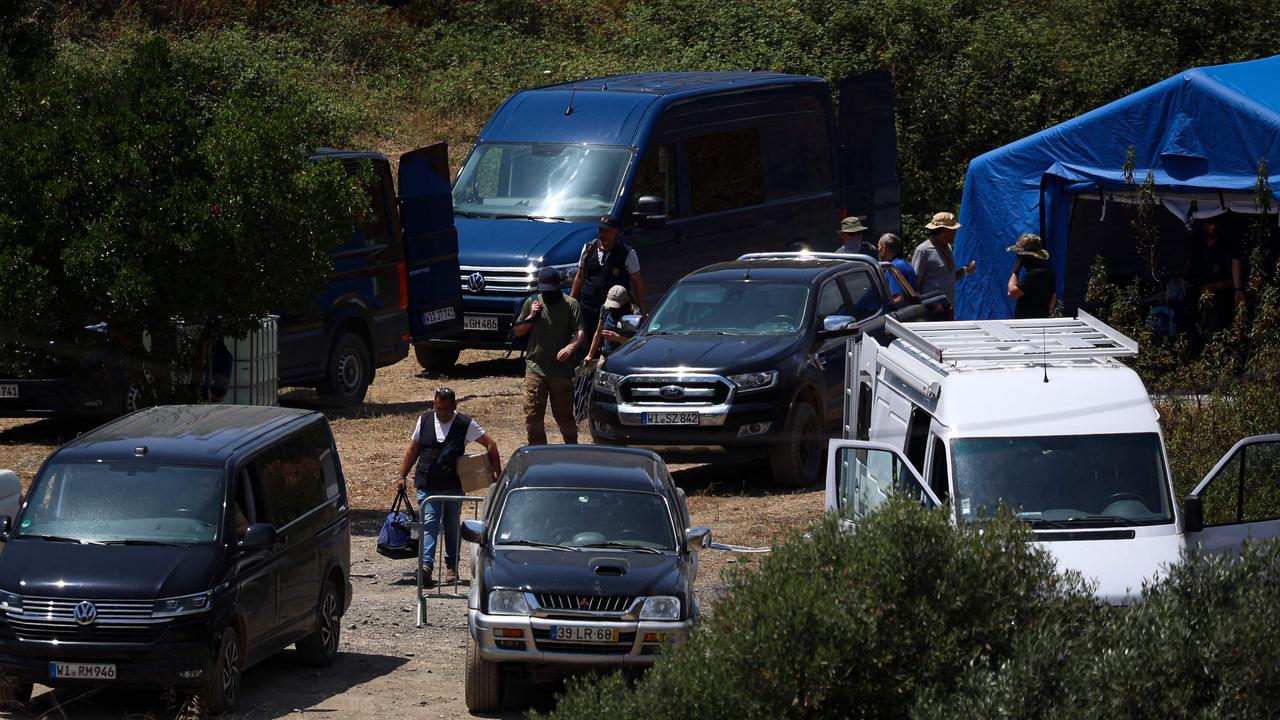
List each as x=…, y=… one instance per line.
x=853, y=238
x=934, y=262
x=1032, y=282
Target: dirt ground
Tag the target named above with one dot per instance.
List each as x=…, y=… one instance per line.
x=388, y=667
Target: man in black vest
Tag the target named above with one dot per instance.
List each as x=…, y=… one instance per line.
x=439, y=440
x=605, y=261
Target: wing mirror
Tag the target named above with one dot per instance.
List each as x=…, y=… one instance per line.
x=473, y=531
x=630, y=323
x=1192, y=514
x=832, y=324
x=697, y=538
x=651, y=211
x=258, y=536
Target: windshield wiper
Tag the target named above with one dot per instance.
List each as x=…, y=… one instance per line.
x=535, y=543
x=1107, y=519
x=627, y=545
x=58, y=538
x=132, y=541
x=553, y=218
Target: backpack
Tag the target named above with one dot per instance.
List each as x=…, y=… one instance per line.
x=515, y=341
x=394, y=539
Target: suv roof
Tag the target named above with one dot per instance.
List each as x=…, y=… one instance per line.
x=774, y=267
x=690, y=83
x=586, y=466
x=190, y=434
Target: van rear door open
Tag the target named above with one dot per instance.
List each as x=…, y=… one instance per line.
x=431, y=244
x=868, y=149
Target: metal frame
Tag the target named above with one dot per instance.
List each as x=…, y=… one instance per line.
x=422, y=538
x=1080, y=338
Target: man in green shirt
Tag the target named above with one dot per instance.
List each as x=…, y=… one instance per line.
x=553, y=324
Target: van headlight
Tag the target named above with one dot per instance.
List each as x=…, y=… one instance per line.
x=661, y=607
x=185, y=605
x=607, y=382
x=10, y=602
x=750, y=382
x=508, y=602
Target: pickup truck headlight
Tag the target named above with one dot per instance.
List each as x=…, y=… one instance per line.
x=661, y=607
x=508, y=602
x=185, y=605
x=10, y=602
x=750, y=382
x=607, y=382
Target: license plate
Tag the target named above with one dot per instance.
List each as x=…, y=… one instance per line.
x=8, y=391
x=584, y=634
x=431, y=317
x=82, y=671
x=669, y=418
x=487, y=323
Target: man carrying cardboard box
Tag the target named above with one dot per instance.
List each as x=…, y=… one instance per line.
x=439, y=441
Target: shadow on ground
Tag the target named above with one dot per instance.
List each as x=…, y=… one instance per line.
x=510, y=366
x=48, y=431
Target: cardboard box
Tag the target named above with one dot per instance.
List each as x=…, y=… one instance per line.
x=473, y=470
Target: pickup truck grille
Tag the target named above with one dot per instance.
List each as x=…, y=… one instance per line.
x=585, y=603
x=653, y=390
x=499, y=280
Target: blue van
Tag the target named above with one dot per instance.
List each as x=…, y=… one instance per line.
x=699, y=167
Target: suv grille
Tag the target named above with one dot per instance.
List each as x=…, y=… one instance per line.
x=117, y=621
x=585, y=603
x=651, y=390
x=500, y=280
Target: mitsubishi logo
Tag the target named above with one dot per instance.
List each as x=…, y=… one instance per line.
x=584, y=603
x=85, y=613
x=475, y=281
x=671, y=392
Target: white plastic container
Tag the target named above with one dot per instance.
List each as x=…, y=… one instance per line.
x=255, y=377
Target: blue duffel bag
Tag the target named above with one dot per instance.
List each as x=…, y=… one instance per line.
x=394, y=539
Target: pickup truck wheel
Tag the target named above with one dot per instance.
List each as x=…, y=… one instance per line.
x=349, y=373
x=13, y=692
x=433, y=359
x=797, y=459
x=483, y=682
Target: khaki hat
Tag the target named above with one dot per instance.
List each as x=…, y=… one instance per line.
x=852, y=224
x=943, y=220
x=1030, y=244
x=617, y=297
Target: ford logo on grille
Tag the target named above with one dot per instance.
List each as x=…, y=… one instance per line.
x=475, y=281
x=671, y=392
x=85, y=613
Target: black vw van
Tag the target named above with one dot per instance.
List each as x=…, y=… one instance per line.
x=177, y=546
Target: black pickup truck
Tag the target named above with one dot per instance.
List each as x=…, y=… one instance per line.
x=747, y=358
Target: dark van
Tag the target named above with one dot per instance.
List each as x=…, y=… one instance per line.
x=177, y=546
x=699, y=167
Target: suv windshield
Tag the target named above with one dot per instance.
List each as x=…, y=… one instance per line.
x=734, y=307
x=541, y=180
x=1100, y=479
x=123, y=502
x=581, y=518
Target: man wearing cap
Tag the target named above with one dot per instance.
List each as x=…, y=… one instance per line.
x=605, y=261
x=935, y=264
x=1032, y=282
x=553, y=324
x=852, y=238
x=438, y=441
x=608, y=335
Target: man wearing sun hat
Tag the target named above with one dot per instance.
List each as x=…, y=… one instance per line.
x=934, y=263
x=853, y=238
x=1032, y=282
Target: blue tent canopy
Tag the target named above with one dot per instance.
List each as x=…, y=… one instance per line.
x=1205, y=129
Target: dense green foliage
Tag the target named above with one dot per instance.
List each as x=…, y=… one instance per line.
x=911, y=617
x=166, y=180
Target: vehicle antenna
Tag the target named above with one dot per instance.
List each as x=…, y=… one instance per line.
x=1044, y=351
x=569, y=110
x=746, y=276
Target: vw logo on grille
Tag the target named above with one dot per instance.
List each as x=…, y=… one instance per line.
x=85, y=613
x=475, y=281
x=671, y=392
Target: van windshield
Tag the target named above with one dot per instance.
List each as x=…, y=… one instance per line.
x=732, y=308
x=541, y=180
x=1100, y=480
x=125, y=502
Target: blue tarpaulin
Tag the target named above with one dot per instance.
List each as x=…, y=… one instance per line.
x=1205, y=129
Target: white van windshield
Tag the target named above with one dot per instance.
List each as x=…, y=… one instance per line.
x=1084, y=480
x=541, y=181
x=125, y=503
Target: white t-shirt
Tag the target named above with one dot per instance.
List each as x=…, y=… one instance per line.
x=632, y=263
x=473, y=433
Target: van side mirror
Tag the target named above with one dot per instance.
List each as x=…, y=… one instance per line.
x=1192, y=514
x=473, y=531
x=697, y=538
x=258, y=536
x=651, y=211
x=630, y=324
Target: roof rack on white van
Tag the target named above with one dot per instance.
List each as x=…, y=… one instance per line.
x=1018, y=341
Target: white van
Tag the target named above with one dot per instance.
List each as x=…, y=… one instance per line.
x=1039, y=415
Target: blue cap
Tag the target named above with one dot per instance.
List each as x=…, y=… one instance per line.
x=548, y=279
